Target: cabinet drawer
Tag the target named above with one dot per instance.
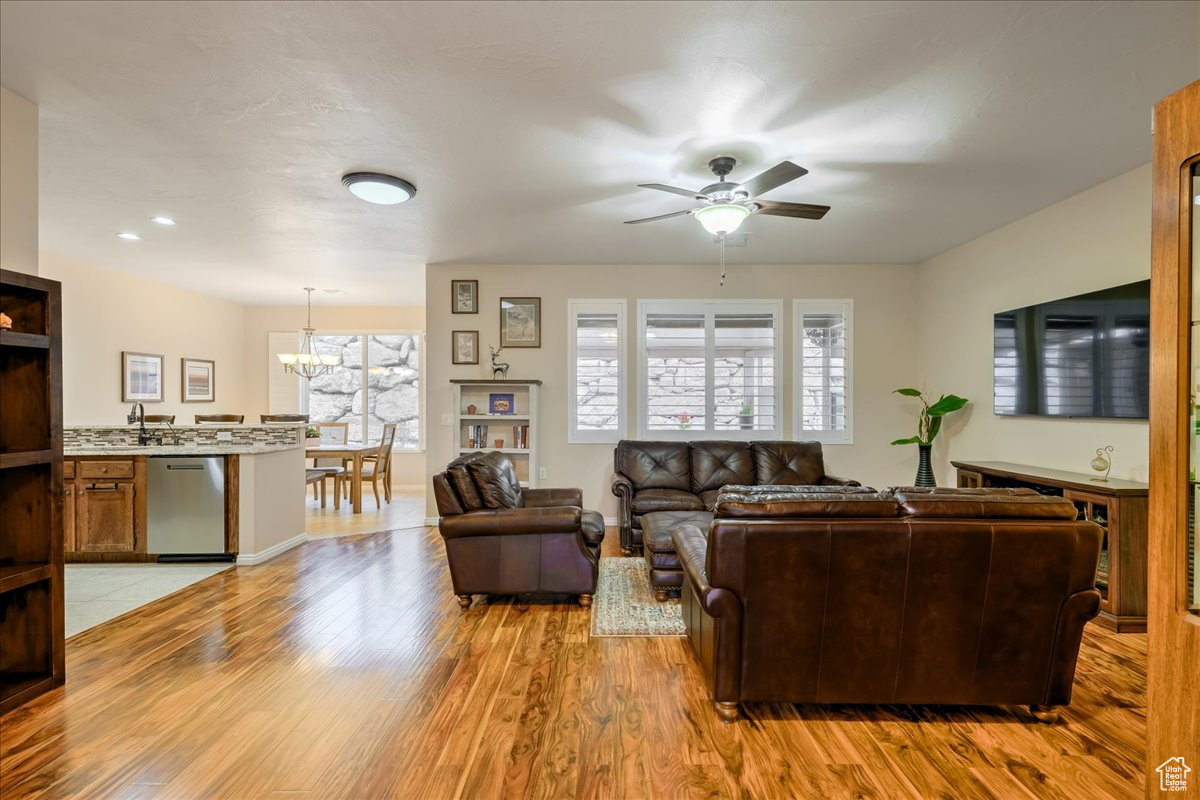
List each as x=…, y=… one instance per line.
x=68, y=470
x=105, y=469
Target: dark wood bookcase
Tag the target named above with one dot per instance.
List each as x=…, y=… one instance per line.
x=1118, y=506
x=31, y=490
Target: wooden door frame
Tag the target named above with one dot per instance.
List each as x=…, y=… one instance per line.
x=1173, y=707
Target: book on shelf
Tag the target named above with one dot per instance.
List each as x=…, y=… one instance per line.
x=520, y=437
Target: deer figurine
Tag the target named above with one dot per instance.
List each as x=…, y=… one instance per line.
x=498, y=367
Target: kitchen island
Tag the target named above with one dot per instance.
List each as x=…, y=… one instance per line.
x=119, y=507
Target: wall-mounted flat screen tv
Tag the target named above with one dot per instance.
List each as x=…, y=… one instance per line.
x=1082, y=356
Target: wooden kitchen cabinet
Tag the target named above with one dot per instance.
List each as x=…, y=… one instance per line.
x=105, y=509
x=104, y=518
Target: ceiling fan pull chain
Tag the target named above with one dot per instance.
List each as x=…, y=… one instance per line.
x=722, y=259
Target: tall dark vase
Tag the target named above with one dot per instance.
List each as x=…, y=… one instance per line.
x=925, y=467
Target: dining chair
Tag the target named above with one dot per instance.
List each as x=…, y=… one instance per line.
x=235, y=419
x=380, y=466
x=333, y=433
x=167, y=418
x=297, y=418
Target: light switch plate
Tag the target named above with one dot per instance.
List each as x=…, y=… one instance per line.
x=447, y=419
x=224, y=436
x=542, y=473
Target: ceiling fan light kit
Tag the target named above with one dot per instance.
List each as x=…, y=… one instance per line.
x=721, y=218
x=378, y=188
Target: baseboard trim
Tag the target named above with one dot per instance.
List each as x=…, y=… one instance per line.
x=250, y=559
x=431, y=522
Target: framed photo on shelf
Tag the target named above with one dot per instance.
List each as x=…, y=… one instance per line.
x=141, y=377
x=520, y=322
x=197, y=380
x=465, y=346
x=464, y=297
x=500, y=403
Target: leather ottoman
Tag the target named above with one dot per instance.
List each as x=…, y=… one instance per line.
x=666, y=571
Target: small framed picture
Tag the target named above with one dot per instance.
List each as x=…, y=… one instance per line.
x=520, y=322
x=198, y=380
x=464, y=297
x=141, y=377
x=500, y=403
x=466, y=347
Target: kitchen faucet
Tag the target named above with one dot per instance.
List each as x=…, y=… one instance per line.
x=138, y=414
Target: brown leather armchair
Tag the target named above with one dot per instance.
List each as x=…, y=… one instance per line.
x=502, y=539
x=963, y=597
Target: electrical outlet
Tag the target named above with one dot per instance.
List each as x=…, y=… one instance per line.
x=542, y=473
x=224, y=436
x=447, y=419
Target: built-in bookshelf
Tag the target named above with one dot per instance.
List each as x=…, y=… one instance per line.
x=499, y=415
x=31, y=490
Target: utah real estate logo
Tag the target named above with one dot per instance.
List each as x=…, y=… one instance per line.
x=1173, y=775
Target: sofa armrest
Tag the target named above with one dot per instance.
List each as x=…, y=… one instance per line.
x=545, y=498
x=622, y=487
x=500, y=521
x=833, y=480
x=1074, y=613
x=723, y=661
x=692, y=548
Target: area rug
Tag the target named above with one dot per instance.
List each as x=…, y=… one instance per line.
x=625, y=606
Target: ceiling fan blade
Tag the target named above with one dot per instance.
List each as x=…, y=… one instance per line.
x=777, y=175
x=801, y=210
x=672, y=189
x=660, y=216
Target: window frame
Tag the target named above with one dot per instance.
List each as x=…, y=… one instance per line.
x=422, y=407
x=800, y=307
x=574, y=309
x=710, y=309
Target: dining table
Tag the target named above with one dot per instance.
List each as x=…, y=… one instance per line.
x=354, y=452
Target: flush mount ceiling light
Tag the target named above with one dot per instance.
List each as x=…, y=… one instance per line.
x=163, y=221
x=721, y=218
x=128, y=235
x=375, y=187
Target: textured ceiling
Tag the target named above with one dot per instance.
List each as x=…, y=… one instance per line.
x=526, y=127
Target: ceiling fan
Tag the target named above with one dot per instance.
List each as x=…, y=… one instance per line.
x=726, y=204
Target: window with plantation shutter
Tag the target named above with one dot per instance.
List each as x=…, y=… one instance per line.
x=596, y=368
x=823, y=376
x=707, y=368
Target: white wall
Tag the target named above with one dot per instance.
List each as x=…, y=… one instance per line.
x=1094, y=240
x=106, y=312
x=884, y=351
x=18, y=183
x=408, y=468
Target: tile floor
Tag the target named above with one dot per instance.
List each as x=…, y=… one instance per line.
x=96, y=593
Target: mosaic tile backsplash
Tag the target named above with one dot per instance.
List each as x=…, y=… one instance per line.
x=113, y=436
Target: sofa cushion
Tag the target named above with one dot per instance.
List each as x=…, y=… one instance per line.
x=460, y=476
x=788, y=463
x=717, y=464
x=655, y=465
x=656, y=527
x=496, y=480
x=709, y=499
x=984, y=504
x=647, y=501
x=831, y=501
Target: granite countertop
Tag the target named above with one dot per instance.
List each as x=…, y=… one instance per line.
x=220, y=449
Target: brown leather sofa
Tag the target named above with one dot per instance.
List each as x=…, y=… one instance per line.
x=971, y=597
x=686, y=476
x=502, y=539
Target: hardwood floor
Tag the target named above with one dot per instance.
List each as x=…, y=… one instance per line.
x=407, y=510
x=344, y=669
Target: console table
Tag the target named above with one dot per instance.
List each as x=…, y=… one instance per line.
x=1120, y=507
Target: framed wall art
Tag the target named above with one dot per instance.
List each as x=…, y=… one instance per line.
x=198, y=380
x=465, y=346
x=464, y=297
x=141, y=377
x=520, y=322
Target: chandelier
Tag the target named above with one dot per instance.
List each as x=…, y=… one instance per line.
x=307, y=363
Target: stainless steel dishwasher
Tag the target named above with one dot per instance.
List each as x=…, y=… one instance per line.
x=186, y=508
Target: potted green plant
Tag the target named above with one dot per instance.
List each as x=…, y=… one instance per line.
x=927, y=429
x=746, y=418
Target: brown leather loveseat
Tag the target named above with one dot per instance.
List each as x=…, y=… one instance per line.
x=963, y=597
x=686, y=476
x=502, y=539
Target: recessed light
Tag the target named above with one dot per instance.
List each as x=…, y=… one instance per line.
x=163, y=221
x=133, y=237
x=375, y=187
